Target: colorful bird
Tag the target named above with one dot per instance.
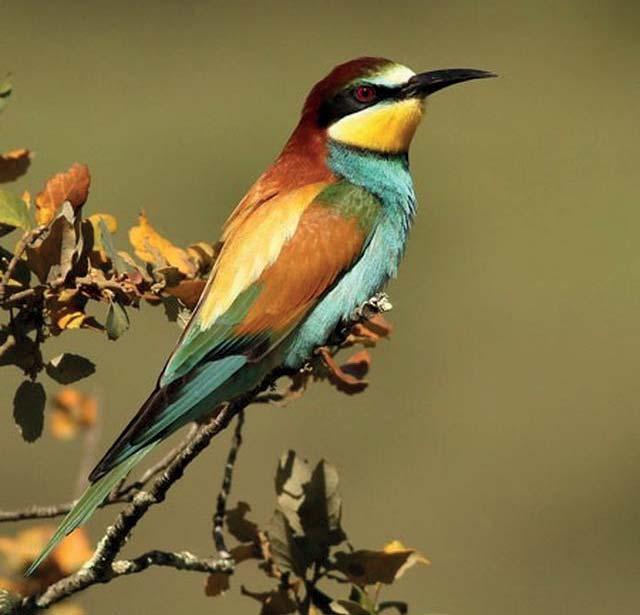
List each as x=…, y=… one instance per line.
x=321, y=231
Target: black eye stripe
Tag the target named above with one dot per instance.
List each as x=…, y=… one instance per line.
x=345, y=103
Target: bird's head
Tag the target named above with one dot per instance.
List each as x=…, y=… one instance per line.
x=376, y=104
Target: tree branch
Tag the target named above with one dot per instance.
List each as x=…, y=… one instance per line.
x=225, y=490
x=102, y=567
x=25, y=241
x=88, y=576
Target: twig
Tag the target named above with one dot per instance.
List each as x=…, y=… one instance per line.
x=26, y=240
x=87, y=576
x=100, y=568
x=54, y=510
x=7, y=345
x=225, y=490
x=122, y=494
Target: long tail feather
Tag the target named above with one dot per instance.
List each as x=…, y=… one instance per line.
x=87, y=504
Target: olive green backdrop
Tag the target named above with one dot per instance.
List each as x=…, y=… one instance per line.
x=501, y=432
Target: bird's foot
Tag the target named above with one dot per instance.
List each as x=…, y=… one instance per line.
x=378, y=304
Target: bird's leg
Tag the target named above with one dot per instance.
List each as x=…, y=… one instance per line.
x=378, y=304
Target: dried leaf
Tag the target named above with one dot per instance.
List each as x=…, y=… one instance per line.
x=67, y=368
x=203, y=255
x=344, y=380
x=217, y=584
x=276, y=602
x=52, y=256
x=72, y=412
x=14, y=212
x=152, y=247
x=13, y=164
x=117, y=321
x=370, y=332
x=20, y=551
x=28, y=409
x=187, y=291
x=241, y=553
x=72, y=186
x=366, y=567
x=73, y=552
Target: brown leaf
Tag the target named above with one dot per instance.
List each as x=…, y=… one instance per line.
x=217, y=584
x=241, y=553
x=369, y=332
x=187, y=291
x=72, y=186
x=22, y=549
x=153, y=248
x=52, y=256
x=366, y=567
x=357, y=365
x=344, y=380
x=72, y=552
x=204, y=255
x=13, y=164
x=72, y=411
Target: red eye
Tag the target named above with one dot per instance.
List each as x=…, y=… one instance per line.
x=365, y=94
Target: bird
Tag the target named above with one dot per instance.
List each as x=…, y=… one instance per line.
x=320, y=232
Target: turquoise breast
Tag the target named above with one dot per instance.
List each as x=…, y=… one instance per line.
x=388, y=178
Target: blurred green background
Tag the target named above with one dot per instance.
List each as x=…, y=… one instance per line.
x=500, y=434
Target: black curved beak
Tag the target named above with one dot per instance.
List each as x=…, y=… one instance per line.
x=424, y=84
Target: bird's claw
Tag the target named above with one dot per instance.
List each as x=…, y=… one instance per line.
x=378, y=304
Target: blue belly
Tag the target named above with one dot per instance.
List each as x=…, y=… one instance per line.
x=388, y=178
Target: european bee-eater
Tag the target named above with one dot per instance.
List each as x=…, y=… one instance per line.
x=321, y=231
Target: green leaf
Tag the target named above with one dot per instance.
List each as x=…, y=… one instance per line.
x=292, y=475
x=67, y=368
x=106, y=241
x=14, y=211
x=63, y=234
x=321, y=511
x=6, y=88
x=28, y=409
x=117, y=321
x=346, y=607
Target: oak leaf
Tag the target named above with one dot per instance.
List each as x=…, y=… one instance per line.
x=72, y=412
x=187, y=291
x=365, y=567
x=72, y=185
x=13, y=164
x=217, y=584
x=349, y=377
x=153, y=248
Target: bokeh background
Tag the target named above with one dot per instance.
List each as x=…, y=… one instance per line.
x=500, y=434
